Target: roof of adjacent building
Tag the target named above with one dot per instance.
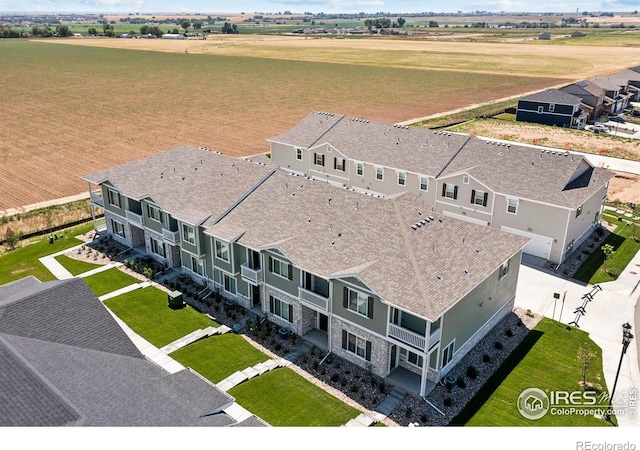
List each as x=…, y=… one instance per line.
x=526, y=172
x=553, y=96
x=335, y=232
x=383, y=144
x=587, y=86
x=64, y=361
x=611, y=82
x=190, y=183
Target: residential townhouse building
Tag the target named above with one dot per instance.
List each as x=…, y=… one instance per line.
x=552, y=107
x=384, y=283
x=618, y=94
x=552, y=197
x=592, y=97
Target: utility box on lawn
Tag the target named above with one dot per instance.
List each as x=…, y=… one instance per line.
x=175, y=300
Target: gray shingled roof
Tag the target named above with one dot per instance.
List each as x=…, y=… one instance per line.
x=402, y=147
x=587, y=86
x=529, y=173
x=190, y=183
x=610, y=82
x=65, y=361
x=553, y=96
x=370, y=237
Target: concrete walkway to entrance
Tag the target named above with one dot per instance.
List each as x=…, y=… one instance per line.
x=251, y=372
x=193, y=337
x=602, y=317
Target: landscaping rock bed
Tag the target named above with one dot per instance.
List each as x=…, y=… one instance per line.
x=569, y=267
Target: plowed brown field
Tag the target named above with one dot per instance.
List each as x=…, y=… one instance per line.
x=71, y=110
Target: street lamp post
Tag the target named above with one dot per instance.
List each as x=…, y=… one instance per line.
x=626, y=339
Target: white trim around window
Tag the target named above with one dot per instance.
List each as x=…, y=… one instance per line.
x=424, y=183
x=154, y=213
x=299, y=154
x=447, y=354
x=379, y=173
x=356, y=345
x=512, y=205
x=221, y=250
x=281, y=308
x=402, y=178
x=117, y=228
x=157, y=247
x=189, y=234
x=359, y=169
x=113, y=197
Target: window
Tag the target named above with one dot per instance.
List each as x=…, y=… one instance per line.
x=356, y=345
x=358, y=302
x=540, y=109
x=359, y=169
x=450, y=191
x=338, y=163
x=154, y=213
x=447, y=354
x=579, y=211
x=379, y=173
x=402, y=178
x=465, y=179
x=117, y=228
x=113, y=198
x=504, y=270
x=280, y=268
x=318, y=159
x=415, y=359
x=435, y=326
x=197, y=266
x=424, y=183
x=157, y=247
x=552, y=107
x=188, y=234
x=299, y=154
x=479, y=197
x=512, y=205
x=281, y=309
x=229, y=284
x=222, y=250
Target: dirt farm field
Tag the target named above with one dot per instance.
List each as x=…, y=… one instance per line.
x=70, y=110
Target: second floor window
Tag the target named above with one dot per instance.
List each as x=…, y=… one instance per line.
x=402, y=178
x=114, y=198
x=188, y=234
x=479, y=197
x=450, y=191
x=154, y=213
x=424, y=183
x=379, y=173
x=338, y=164
x=358, y=302
x=280, y=268
x=299, y=154
x=222, y=250
x=318, y=159
x=359, y=169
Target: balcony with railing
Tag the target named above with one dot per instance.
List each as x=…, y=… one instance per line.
x=173, y=237
x=317, y=300
x=97, y=198
x=134, y=218
x=253, y=276
x=407, y=336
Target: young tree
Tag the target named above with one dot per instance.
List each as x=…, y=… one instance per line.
x=608, y=250
x=401, y=22
x=586, y=358
x=11, y=239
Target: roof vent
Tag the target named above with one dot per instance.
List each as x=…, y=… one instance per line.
x=414, y=228
x=478, y=251
x=466, y=272
x=418, y=224
x=423, y=221
x=430, y=217
x=439, y=278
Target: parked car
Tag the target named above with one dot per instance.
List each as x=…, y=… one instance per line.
x=617, y=119
x=635, y=113
x=597, y=128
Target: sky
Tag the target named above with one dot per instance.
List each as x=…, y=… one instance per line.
x=314, y=6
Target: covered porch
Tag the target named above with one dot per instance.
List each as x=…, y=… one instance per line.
x=409, y=381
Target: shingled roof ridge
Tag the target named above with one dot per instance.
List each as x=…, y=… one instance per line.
x=327, y=130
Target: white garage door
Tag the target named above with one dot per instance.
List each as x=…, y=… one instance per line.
x=539, y=246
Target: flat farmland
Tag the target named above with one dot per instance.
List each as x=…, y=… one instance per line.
x=69, y=110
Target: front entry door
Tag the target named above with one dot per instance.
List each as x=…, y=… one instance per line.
x=323, y=323
x=393, y=359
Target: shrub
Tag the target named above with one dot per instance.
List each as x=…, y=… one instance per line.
x=486, y=358
x=472, y=372
x=497, y=345
x=447, y=401
x=461, y=383
x=520, y=322
x=323, y=370
x=343, y=381
x=353, y=388
x=408, y=412
x=508, y=332
x=335, y=377
x=315, y=365
x=375, y=400
x=278, y=347
x=423, y=418
x=305, y=358
x=382, y=387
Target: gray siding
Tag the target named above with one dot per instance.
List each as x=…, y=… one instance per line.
x=108, y=206
x=278, y=282
x=150, y=223
x=467, y=316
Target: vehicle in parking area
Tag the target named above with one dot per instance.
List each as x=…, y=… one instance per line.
x=617, y=119
x=597, y=128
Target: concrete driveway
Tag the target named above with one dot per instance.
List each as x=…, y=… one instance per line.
x=612, y=306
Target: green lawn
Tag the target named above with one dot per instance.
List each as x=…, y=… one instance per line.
x=109, y=281
x=74, y=266
x=146, y=312
x=546, y=359
x=284, y=398
x=217, y=357
x=23, y=262
x=625, y=249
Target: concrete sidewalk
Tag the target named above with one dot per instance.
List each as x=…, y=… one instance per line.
x=603, y=319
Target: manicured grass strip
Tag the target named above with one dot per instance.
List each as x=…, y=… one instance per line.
x=109, y=281
x=625, y=249
x=23, y=262
x=285, y=399
x=146, y=312
x=217, y=357
x=546, y=359
x=74, y=266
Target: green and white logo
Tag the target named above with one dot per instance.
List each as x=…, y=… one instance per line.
x=533, y=403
